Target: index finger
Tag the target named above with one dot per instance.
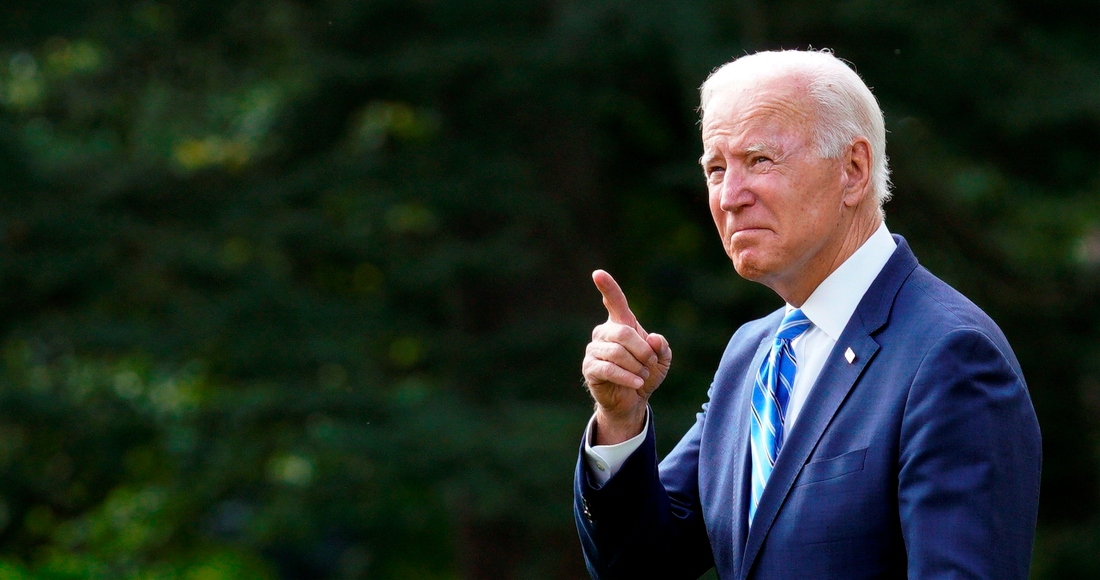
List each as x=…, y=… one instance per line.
x=614, y=300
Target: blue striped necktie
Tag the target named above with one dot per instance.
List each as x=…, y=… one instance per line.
x=770, y=396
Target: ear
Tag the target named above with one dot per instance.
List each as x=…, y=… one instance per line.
x=856, y=176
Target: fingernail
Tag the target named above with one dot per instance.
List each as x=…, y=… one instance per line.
x=638, y=382
x=644, y=373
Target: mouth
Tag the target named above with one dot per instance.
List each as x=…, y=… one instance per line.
x=745, y=237
x=747, y=230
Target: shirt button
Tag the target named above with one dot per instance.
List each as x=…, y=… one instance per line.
x=601, y=466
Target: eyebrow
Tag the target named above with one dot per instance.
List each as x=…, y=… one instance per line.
x=761, y=147
x=757, y=147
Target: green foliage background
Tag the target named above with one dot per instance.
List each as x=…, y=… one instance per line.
x=300, y=289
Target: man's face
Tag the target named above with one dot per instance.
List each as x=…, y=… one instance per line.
x=776, y=203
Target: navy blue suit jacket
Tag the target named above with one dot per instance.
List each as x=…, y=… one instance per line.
x=919, y=458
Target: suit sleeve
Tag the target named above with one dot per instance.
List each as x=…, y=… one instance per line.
x=969, y=463
x=645, y=522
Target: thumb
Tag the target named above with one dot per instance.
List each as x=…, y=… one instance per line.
x=618, y=310
x=660, y=345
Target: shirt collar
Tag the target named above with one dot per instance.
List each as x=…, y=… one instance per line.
x=833, y=302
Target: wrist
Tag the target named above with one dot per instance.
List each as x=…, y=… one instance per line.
x=615, y=428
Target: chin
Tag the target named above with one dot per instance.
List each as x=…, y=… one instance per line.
x=748, y=268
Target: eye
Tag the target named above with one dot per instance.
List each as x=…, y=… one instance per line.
x=714, y=172
x=758, y=159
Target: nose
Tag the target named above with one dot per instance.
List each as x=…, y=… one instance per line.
x=734, y=193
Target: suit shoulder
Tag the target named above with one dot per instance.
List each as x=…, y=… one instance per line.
x=933, y=309
x=941, y=302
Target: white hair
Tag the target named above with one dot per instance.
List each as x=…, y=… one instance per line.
x=844, y=106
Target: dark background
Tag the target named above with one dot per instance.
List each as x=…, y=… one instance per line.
x=301, y=289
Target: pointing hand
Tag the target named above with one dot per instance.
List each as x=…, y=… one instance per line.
x=622, y=366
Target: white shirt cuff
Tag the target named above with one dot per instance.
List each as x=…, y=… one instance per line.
x=604, y=461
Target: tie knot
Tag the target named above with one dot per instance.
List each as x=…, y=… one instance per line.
x=794, y=324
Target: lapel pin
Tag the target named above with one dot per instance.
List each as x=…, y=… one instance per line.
x=849, y=355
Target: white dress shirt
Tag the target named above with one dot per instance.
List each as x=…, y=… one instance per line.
x=829, y=308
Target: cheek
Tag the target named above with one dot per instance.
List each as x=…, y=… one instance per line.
x=716, y=212
x=820, y=215
x=816, y=205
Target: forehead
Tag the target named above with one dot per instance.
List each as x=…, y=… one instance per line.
x=769, y=111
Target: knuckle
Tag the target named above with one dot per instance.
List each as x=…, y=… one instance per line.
x=598, y=370
x=598, y=330
x=621, y=333
x=601, y=351
x=623, y=358
x=613, y=373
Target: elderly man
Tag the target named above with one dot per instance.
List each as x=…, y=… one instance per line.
x=877, y=426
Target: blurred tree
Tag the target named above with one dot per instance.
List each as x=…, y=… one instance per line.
x=300, y=290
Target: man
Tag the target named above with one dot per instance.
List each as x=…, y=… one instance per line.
x=877, y=426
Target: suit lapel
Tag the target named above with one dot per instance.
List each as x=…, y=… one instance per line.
x=829, y=392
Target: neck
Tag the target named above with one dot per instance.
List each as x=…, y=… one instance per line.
x=795, y=292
